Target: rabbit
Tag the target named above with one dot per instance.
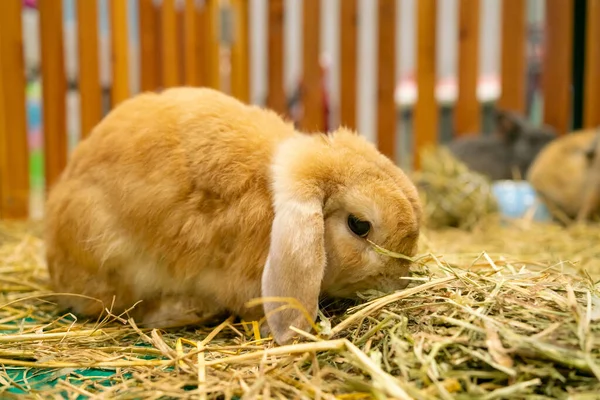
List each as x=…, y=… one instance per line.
x=512, y=149
x=565, y=175
x=189, y=203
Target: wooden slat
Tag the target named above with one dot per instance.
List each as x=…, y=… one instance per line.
x=240, y=72
x=201, y=45
x=53, y=90
x=169, y=59
x=426, y=109
x=192, y=77
x=591, y=110
x=348, y=62
x=14, y=152
x=467, y=113
x=386, y=79
x=513, y=44
x=556, y=74
x=276, y=96
x=181, y=44
x=158, y=40
x=212, y=46
x=150, y=79
x=89, y=74
x=313, y=116
x=120, y=51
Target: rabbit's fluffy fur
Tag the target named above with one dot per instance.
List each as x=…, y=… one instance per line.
x=561, y=173
x=195, y=203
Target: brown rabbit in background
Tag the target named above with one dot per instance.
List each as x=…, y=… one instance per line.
x=196, y=203
x=565, y=175
x=511, y=150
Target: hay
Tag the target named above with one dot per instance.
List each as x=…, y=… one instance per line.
x=454, y=195
x=488, y=317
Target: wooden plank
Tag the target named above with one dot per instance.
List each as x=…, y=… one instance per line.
x=240, y=71
x=426, y=109
x=386, y=79
x=556, y=74
x=513, y=55
x=148, y=31
x=158, y=40
x=14, y=152
x=591, y=105
x=348, y=62
x=467, y=113
x=276, y=97
x=90, y=91
x=181, y=43
x=120, y=51
x=313, y=116
x=53, y=90
x=191, y=39
x=169, y=59
x=202, y=44
x=212, y=46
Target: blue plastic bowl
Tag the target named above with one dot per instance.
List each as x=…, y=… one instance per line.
x=517, y=198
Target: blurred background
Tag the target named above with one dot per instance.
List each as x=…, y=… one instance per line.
x=324, y=63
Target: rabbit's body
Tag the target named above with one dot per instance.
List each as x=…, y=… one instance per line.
x=173, y=197
x=508, y=153
x=561, y=173
x=130, y=197
x=487, y=155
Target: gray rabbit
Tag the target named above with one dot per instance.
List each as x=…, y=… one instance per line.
x=509, y=152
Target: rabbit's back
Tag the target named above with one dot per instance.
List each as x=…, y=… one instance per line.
x=186, y=132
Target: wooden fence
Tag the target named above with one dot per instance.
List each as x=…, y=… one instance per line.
x=181, y=47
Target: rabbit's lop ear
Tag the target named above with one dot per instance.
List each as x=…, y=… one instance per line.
x=295, y=265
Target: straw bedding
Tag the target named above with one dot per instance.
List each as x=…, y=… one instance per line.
x=452, y=194
x=495, y=310
x=503, y=311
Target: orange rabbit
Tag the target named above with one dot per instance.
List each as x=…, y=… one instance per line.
x=195, y=203
x=566, y=175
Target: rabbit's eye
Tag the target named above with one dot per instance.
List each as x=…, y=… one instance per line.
x=360, y=228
